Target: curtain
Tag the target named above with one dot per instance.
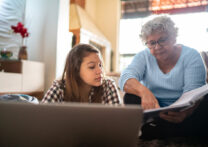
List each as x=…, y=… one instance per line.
x=11, y=12
x=139, y=8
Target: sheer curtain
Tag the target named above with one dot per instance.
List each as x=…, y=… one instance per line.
x=11, y=12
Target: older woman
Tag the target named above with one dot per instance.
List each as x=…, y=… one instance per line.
x=162, y=72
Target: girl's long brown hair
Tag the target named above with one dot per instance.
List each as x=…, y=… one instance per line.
x=71, y=75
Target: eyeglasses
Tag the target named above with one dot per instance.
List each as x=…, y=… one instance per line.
x=152, y=43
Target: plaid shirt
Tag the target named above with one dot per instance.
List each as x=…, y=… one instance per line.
x=56, y=93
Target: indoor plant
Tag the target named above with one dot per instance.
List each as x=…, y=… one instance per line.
x=19, y=28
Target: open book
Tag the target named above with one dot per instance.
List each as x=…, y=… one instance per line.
x=187, y=100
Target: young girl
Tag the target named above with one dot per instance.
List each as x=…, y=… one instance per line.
x=83, y=79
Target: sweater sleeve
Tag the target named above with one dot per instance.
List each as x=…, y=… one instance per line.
x=194, y=71
x=135, y=70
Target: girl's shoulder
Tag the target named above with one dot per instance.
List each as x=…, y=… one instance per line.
x=59, y=84
x=54, y=93
x=108, y=82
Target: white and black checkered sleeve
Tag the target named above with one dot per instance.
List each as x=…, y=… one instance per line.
x=111, y=94
x=54, y=94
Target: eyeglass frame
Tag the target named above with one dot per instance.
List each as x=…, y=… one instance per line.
x=160, y=42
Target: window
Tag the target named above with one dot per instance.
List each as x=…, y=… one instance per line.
x=193, y=32
x=129, y=43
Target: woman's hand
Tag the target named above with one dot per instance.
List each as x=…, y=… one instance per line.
x=149, y=101
x=174, y=117
x=177, y=117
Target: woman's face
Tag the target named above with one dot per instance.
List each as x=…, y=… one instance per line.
x=161, y=45
x=91, y=70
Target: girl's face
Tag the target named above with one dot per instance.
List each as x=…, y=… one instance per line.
x=91, y=70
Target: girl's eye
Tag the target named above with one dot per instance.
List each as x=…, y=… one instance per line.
x=100, y=65
x=91, y=67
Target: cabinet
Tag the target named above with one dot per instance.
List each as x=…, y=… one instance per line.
x=22, y=77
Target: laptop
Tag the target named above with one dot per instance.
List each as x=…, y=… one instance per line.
x=69, y=124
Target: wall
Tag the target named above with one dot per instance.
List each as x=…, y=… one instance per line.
x=46, y=25
x=106, y=15
x=91, y=8
x=64, y=37
x=42, y=21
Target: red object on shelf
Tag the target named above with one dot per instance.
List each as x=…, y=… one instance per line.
x=20, y=29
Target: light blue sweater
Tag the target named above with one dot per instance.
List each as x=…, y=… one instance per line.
x=189, y=73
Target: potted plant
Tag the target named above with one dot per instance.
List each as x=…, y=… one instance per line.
x=19, y=28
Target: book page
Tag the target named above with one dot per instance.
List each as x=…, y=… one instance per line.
x=187, y=100
x=192, y=96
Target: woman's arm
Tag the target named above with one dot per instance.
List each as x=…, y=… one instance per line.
x=130, y=77
x=194, y=71
x=148, y=100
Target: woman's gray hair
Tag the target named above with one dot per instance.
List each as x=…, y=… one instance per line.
x=159, y=23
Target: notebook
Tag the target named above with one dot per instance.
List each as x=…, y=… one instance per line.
x=70, y=124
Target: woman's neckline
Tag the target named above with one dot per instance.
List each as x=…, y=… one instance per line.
x=180, y=50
